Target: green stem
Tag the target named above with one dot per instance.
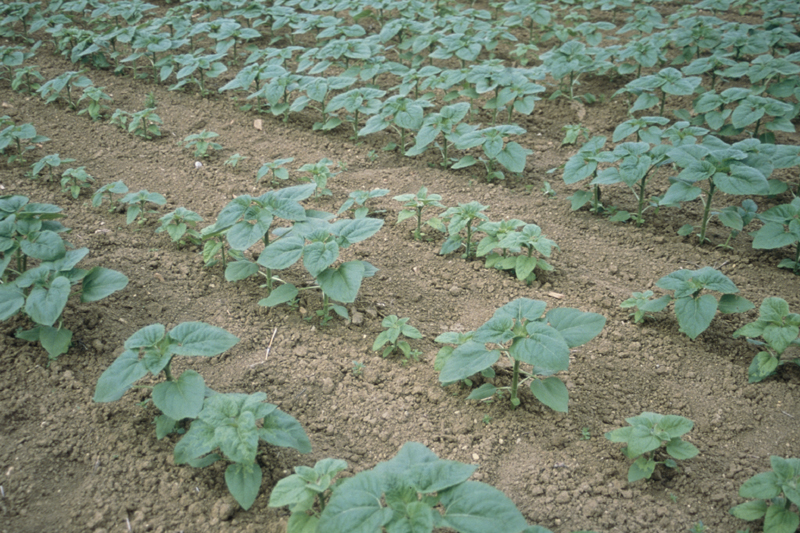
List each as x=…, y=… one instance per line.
x=663, y=101
x=706, y=212
x=417, y=235
x=168, y=373
x=469, y=238
x=796, y=268
x=515, y=381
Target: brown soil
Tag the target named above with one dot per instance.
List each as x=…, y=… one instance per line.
x=69, y=464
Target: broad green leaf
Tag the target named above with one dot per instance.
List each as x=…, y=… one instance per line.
x=497, y=330
x=318, y=256
x=180, y=398
x=486, y=390
x=11, y=300
x=552, y=392
x=351, y=231
x=765, y=486
x=513, y=157
x=695, y=314
x=524, y=265
x=642, y=468
x=46, y=246
x=680, y=191
x=773, y=309
x=239, y=270
x=302, y=523
x=355, y=506
x=44, y=305
x=281, y=429
x=742, y=180
x=466, y=360
x=55, y=341
x=282, y=253
x=197, y=442
x=576, y=327
x=101, y=282
x=545, y=349
x=126, y=370
x=680, y=449
x=343, y=283
x=780, y=337
x=474, y=507
x=246, y=233
x=145, y=337
x=164, y=426
x=773, y=235
x=675, y=425
x=731, y=303
x=779, y=519
x=522, y=309
x=749, y=511
x=282, y=294
x=199, y=338
x=244, y=482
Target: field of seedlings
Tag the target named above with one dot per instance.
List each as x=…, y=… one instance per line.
x=345, y=266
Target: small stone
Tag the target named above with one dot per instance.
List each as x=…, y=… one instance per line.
x=327, y=386
x=563, y=497
x=455, y=290
x=476, y=457
x=356, y=318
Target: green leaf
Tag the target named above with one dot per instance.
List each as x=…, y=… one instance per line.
x=486, y=390
x=695, y=314
x=513, y=157
x=731, y=303
x=101, y=282
x=302, y=523
x=579, y=199
x=11, y=300
x=55, y=341
x=244, y=482
x=474, y=507
x=318, y=256
x=239, y=270
x=199, y=338
x=355, y=506
x=46, y=246
x=164, y=426
x=779, y=519
x=282, y=253
x=773, y=235
x=497, y=330
x=680, y=449
x=126, y=370
x=466, y=360
x=522, y=309
x=752, y=510
x=180, y=398
x=44, y=305
x=765, y=486
x=552, y=392
x=763, y=366
x=285, y=293
x=642, y=468
x=576, y=327
x=343, y=283
x=742, y=180
x=544, y=348
x=146, y=337
x=281, y=429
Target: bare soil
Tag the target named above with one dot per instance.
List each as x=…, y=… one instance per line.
x=70, y=465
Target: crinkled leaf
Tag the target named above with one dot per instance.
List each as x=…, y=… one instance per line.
x=281, y=429
x=180, y=398
x=45, y=305
x=285, y=293
x=695, y=314
x=466, y=360
x=474, y=507
x=343, y=283
x=576, y=327
x=244, y=482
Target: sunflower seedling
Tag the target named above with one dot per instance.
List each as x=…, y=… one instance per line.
x=781, y=228
x=517, y=242
x=95, y=96
x=106, y=192
x=455, y=219
x=412, y=488
x=645, y=437
x=202, y=143
x=234, y=423
x=521, y=331
x=75, y=179
x=181, y=224
x=137, y=204
x=359, y=198
x=395, y=328
x=772, y=495
x=275, y=168
x=320, y=174
x=49, y=162
x=779, y=330
x=694, y=310
x=414, y=204
x=234, y=160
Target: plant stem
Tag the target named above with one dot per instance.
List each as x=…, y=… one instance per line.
x=417, y=235
x=514, y=381
x=706, y=212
